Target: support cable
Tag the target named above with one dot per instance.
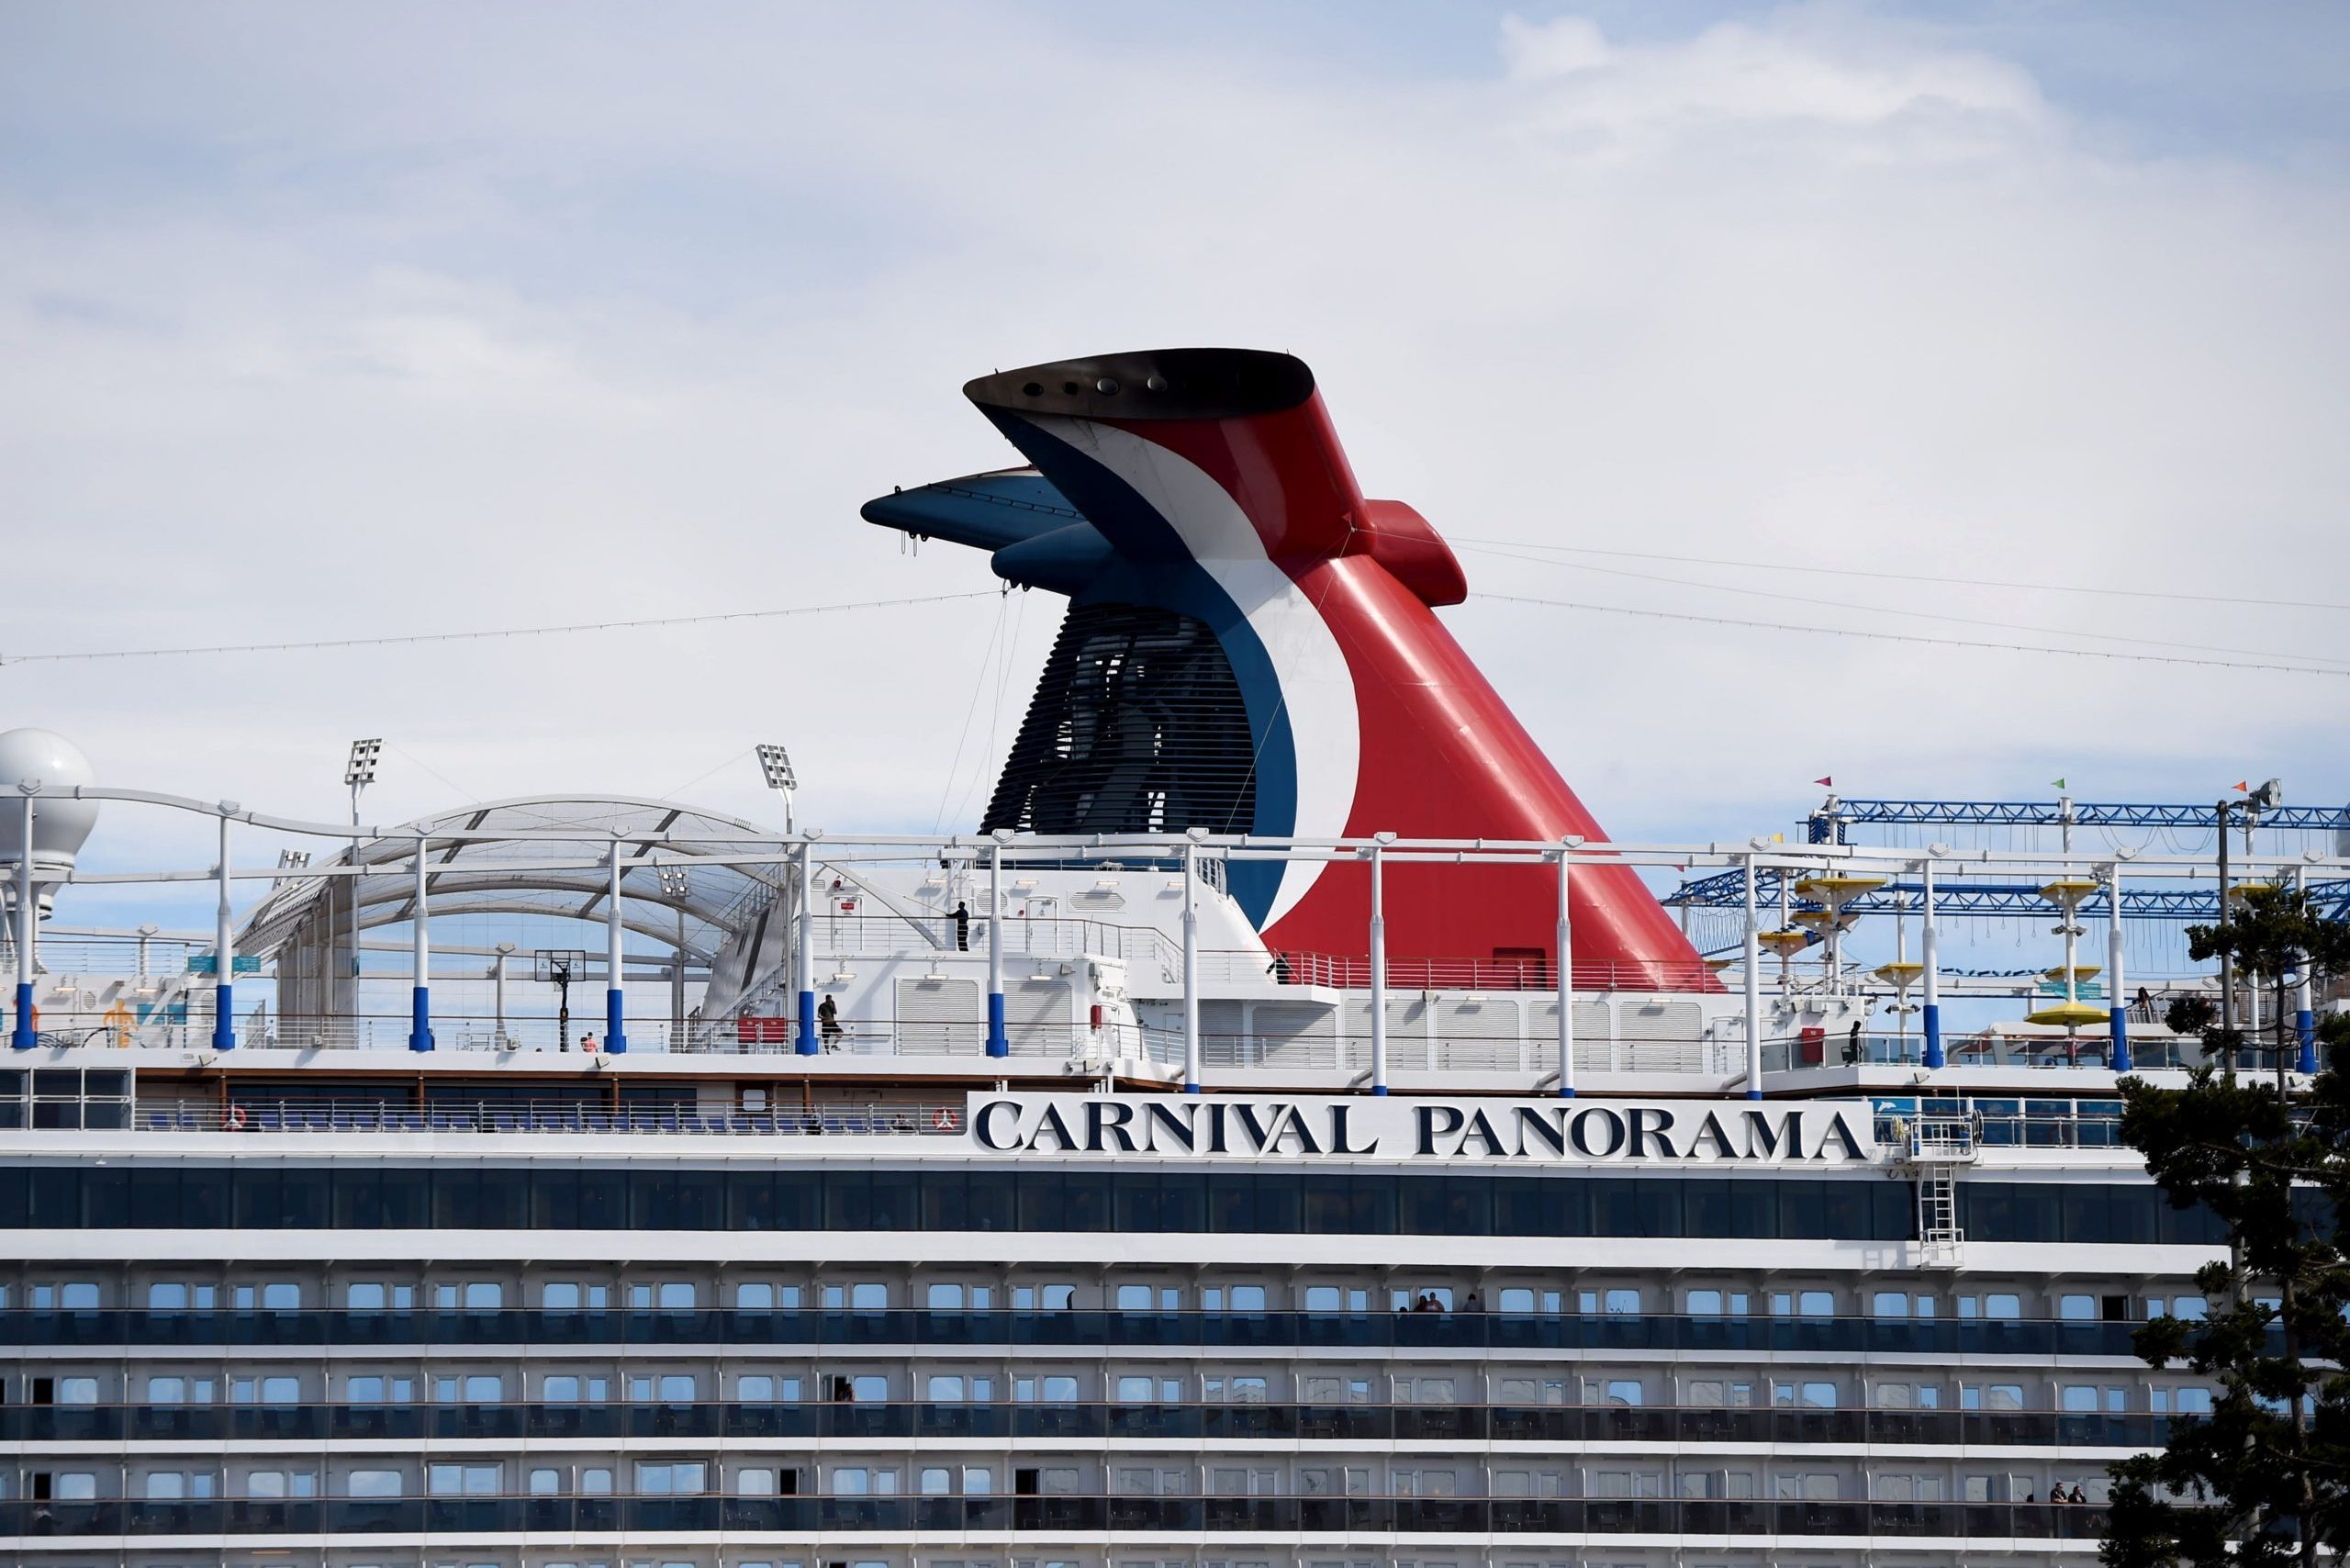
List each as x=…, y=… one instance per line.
x=1909, y=613
x=1913, y=576
x=503, y=631
x=1909, y=637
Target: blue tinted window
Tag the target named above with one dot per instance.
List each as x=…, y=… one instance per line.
x=848, y=1199
x=1135, y=1202
x=1245, y=1201
x=1182, y=1202
x=1085, y=1201
x=1040, y=1200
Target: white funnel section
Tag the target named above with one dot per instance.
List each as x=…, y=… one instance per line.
x=60, y=826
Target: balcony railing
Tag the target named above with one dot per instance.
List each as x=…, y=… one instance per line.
x=1351, y=971
x=1057, y=1515
x=134, y=1328
x=1782, y=1426
x=1985, y=1048
x=262, y=1117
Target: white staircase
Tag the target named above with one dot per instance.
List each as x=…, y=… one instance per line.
x=1934, y=1149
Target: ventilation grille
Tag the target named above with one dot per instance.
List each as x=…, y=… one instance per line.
x=1138, y=726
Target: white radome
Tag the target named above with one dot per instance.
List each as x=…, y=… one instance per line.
x=60, y=827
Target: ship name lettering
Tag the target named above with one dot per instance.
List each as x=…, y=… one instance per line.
x=1561, y=1132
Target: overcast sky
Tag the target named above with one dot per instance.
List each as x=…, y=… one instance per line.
x=322, y=321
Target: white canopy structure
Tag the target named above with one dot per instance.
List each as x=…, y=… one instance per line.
x=306, y=925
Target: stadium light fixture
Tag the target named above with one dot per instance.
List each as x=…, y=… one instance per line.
x=360, y=771
x=775, y=763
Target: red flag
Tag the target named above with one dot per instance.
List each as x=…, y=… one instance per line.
x=1832, y=783
x=2244, y=786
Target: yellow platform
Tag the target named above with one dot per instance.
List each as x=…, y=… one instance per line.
x=2068, y=1013
x=2080, y=971
x=2072, y=889
x=1836, y=887
x=2240, y=891
x=1784, y=941
x=1814, y=917
x=1901, y=972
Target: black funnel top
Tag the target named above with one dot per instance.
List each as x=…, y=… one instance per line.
x=1155, y=384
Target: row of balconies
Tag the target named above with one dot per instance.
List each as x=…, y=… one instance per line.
x=634, y=1517
x=1149, y=1330
x=1025, y=1422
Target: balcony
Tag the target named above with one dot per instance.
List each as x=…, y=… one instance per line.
x=1467, y=1425
x=649, y=1517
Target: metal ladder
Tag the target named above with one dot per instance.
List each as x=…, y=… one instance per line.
x=1936, y=1148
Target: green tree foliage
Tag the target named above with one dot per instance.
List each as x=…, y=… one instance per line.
x=2265, y=1478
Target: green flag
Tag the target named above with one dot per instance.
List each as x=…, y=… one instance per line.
x=2059, y=783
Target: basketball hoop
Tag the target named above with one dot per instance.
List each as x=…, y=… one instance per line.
x=558, y=967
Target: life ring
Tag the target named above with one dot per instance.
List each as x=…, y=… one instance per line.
x=943, y=1119
x=235, y=1119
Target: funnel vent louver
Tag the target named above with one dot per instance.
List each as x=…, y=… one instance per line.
x=1138, y=726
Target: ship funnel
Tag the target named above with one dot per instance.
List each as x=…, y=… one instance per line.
x=1252, y=647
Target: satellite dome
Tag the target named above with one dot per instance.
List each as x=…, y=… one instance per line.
x=60, y=827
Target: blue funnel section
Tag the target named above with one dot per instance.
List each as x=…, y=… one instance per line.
x=1032, y=536
x=1167, y=689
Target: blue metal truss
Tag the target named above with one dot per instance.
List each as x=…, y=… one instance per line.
x=1727, y=890
x=1821, y=824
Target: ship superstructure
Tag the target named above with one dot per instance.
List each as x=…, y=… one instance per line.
x=1285, y=1133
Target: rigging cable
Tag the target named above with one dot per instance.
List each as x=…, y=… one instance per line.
x=987, y=663
x=1908, y=637
x=1913, y=614
x=1912, y=577
x=503, y=631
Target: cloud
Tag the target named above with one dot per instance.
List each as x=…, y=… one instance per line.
x=312, y=326
x=1736, y=73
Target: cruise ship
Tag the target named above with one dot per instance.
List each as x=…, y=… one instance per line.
x=1286, y=1131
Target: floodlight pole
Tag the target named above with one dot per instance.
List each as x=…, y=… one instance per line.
x=1930, y=948
x=497, y=974
x=2252, y=983
x=350, y=904
x=419, y=1021
x=615, y=963
x=224, y=947
x=1566, y=935
x=678, y=984
x=676, y=883
x=358, y=772
x=803, y=960
x=24, y=1037
x=2304, y=1013
x=999, y=1043
x=2117, y=996
x=350, y=887
x=2227, y=969
x=774, y=765
x=1754, y=962
x=1191, y=967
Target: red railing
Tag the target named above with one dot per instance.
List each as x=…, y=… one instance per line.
x=1351, y=972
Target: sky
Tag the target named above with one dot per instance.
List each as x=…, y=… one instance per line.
x=328, y=322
